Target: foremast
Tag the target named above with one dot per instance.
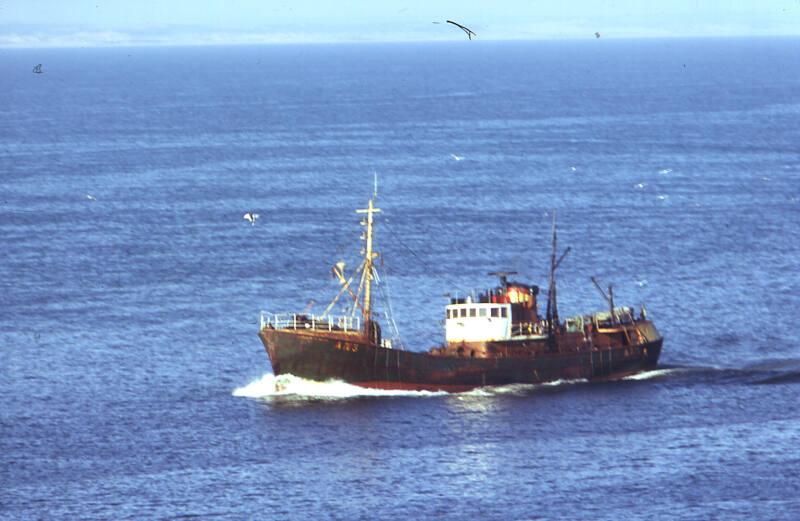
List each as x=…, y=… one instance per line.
x=369, y=259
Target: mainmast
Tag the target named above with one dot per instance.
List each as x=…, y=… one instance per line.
x=369, y=257
x=552, y=301
x=552, y=310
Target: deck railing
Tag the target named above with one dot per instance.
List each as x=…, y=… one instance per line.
x=312, y=322
x=529, y=328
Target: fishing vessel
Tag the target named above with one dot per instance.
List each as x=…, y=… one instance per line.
x=495, y=337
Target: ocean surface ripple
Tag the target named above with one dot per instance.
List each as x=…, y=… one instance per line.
x=132, y=380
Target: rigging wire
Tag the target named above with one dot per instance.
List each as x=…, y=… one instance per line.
x=345, y=287
x=388, y=313
x=358, y=294
x=429, y=270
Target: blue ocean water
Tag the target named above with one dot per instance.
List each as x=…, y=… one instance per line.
x=133, y=384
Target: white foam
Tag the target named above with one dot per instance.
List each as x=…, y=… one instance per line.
x=518, y=388
x=293, y=387
x=556, y=383
x=655, y=373
x=287, y=385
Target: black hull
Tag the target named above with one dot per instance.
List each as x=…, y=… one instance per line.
x=350, y=358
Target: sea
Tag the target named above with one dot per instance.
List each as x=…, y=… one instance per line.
x=132, y=381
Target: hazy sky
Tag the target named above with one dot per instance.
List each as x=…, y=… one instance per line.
x=125, y=22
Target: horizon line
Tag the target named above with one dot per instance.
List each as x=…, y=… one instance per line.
x=212, y=42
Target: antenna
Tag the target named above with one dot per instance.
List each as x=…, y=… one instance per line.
x=503, y=276
x=374, y=184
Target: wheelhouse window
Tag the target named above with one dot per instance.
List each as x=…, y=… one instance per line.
x=463, y=312
x=482, y=312
x=473, y=312
x=495, y=312
x=504, y=312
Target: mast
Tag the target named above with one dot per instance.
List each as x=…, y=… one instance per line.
x=609, y=299
x=552, y=301
x=611, y=303
x=369, y=257
x=552, y=309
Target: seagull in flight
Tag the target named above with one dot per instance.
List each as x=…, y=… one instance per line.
x=470, y=32
x=457, y=158
x=251, y=217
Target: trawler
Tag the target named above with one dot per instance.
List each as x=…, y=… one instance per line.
x=496, y=337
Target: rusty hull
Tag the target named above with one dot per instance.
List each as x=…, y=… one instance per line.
x=350, y=357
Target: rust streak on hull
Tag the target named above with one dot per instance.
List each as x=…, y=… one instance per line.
x=353, y=359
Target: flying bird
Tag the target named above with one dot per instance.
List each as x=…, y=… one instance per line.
x=251, y=217
x=457, y=158
x=470, y=32
x=597, y=35
x=38, y=68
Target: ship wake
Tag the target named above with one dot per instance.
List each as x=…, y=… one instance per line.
x=655, y=373
x=290, y=387
x=521, y=389
x=287, y=386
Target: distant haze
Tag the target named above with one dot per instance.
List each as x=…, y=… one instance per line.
x=46, y=23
